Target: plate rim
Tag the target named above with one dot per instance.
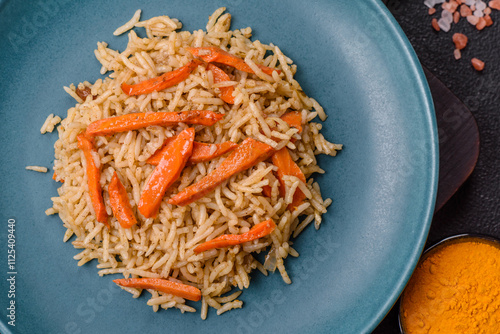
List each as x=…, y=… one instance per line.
x=423, y=92
x=429, y=112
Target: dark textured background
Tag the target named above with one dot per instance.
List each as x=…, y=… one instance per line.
x=475, y=208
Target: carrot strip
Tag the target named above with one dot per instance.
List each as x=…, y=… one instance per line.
x=163, y=81
x=93, y=177
x=286, y=166
x=134, y=121
x=120, y=203
x=159, y=153
x=226, y=93
x=173, y=288
x=166, y=173
x=201, y=152
x=258, y=231
x=294, y=119
x=249, y=153
x=212, y=54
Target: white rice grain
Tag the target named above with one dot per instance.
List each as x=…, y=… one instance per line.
x=39, y=169
x=129, y=25
x=230, y=306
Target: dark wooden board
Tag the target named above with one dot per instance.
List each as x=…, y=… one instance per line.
x=458, y=139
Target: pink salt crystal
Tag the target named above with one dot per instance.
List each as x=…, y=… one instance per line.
x=481, y=23
x=447, y=15
x=473, y=19
x=494, y=4
x=477, y=64
x=444, y=24
x=488, y=20
x=480, y=5
x=435, y=24
x=449, y=6
x=478, y=13
x=465, y=11
x=457, y=54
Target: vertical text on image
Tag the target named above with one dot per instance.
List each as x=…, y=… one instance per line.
x=11, y=271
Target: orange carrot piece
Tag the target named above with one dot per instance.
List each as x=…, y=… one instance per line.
x=294, y=119
x=159, y=153
x=267, y=191
x=201, y=152
x=286, y=166
x=163, y=81
x=226, y=93
x=54, y=177
x=258, y=231
x=249, y=153
x=134, y=121
x=93, y=177
x=173, y=288
x=212, y=54
x=166, y=173
x=120, y=203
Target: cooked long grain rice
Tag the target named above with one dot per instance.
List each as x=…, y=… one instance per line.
x=129, y=25
x=230, y=306
x=50, y=123
x=39, y=169
x=163, y=247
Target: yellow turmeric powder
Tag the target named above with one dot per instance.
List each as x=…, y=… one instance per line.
x=455, y=289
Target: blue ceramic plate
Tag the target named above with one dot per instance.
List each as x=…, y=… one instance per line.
x=352, y=58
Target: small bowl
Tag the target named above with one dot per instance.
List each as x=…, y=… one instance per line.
x=445, y=242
